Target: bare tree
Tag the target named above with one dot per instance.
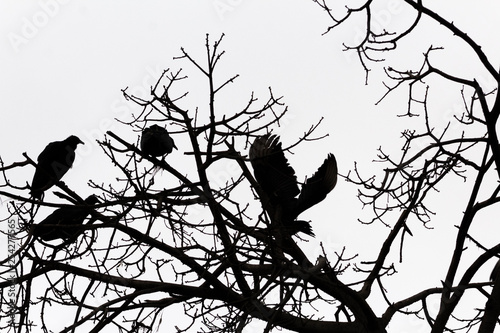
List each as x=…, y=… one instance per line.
x=164, y=234
x=466, y=147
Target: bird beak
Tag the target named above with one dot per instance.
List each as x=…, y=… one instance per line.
x=80, y=141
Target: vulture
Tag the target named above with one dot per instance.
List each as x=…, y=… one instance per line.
x=278, y=181
x=156, y=141
x=65, y=222
x=53, y=162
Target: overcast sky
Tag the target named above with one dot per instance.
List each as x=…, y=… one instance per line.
x=63, y=65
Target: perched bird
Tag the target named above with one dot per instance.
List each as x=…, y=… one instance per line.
x=155, y=141
x=278, y=181
x=65, y=222
x=53, y=162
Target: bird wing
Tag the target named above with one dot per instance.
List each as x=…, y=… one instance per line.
x=146, y=137
x=271, y=169
x=156, y=141
x=167, y=142
x=316, y=188
x=45, y=176
x=59, y=223
x=53, y=162
x=60, y=155
x=49, y=152
x=48, y=229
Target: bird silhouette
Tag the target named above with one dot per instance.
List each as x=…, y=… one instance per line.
x=156, y=141
x=65, y=223
x=53, y=162
x=278, y=181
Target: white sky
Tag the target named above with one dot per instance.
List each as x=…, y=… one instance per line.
x=63, y=64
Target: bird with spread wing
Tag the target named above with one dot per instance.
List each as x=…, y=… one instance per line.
x=278, y=181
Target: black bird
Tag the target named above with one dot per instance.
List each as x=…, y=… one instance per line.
x=65, y=222
x=278, y=181
x=53, y=162
x=155, y=141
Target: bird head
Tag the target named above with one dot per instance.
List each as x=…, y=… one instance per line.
x=73, y=141
x=92, y=200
